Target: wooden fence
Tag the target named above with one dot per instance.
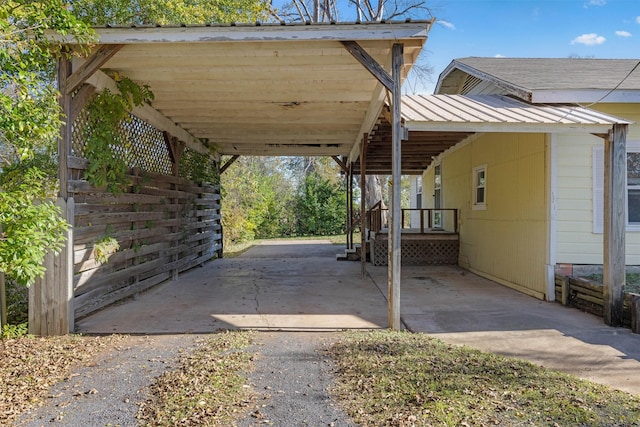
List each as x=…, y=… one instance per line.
x=166, y=220
x=588, y=296
x=165, y=225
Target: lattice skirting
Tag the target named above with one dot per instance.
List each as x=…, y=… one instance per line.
x=418, y=252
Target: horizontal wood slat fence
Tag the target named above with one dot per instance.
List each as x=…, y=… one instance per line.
x=164, y=226
x=166, y=220
x=587, y=296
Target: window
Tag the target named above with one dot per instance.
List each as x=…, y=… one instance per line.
x=633, y=187
x=437, y=196
x=419, y=192
x=480, y=187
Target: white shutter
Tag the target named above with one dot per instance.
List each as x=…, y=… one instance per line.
x=598, y=189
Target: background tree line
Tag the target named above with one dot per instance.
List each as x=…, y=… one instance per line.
x=266, y=197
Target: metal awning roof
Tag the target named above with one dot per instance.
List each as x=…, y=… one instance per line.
x=260, y=89
x=438, y=122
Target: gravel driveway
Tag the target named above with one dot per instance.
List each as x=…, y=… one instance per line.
x=291, y=378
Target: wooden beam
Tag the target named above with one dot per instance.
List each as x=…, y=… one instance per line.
x=150, y=115
x=369, y=63
x=228, y=163
x=91, y=65
x=363, y=204
x=340, y=163
x=409, y=31
x=395, y=211
x=79, y=101
x=175, y=149
x=615, y=205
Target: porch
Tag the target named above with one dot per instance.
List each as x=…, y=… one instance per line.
x=429, y=236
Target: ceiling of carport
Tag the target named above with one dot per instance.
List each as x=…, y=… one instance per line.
x=265, y=90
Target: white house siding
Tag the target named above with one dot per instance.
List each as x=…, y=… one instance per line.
x=576, y=241
x=507, y=241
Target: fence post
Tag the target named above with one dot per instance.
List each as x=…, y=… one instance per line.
x=565, y=291
x=635, y=314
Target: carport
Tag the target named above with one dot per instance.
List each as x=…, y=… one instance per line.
x=231, y=89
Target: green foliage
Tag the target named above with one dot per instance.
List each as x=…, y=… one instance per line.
x=169, y=12
x=14, y=331
x=257, y=200
x=31, y=227
x=104, y=247
x=29, y=111
x=104, y=143
x=29, y=128
x=320, y=207
x=198, y=167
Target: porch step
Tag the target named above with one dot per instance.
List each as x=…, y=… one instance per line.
x=351, y=254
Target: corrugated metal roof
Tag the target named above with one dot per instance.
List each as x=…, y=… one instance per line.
x=483, y=112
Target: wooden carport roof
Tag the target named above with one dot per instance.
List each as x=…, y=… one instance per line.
x=258, y=89
x=434, y=123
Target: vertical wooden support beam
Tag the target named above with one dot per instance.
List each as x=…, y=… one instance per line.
x=52, y=312
x=396, y=171
x=350, y=196
x=363, y=203
x=615, y=205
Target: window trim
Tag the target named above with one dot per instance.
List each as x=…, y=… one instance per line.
x=598, y=189
x=475, y=205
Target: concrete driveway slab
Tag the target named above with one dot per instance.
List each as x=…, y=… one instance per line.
x=299, y=285
x=292, y=285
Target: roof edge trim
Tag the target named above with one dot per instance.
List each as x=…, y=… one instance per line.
x=520, y=92
x=315, y=32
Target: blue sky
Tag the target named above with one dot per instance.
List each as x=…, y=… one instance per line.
x=524, y=28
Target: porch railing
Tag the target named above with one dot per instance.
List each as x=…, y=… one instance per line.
x=430, y=219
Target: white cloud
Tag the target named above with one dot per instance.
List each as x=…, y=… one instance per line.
x=638, y=19
x=446, y=24
x=590, y=39
x=595, y=3
x=499, y=55
x=623, y=33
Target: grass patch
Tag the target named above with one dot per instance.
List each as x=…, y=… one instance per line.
x=403, y=379
x=208, y=387
x=232, y=250
x=632, y=283
x=29, y=366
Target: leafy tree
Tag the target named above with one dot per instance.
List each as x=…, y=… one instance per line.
x=168, y=12
x=320, y=207
x=257, y=200
x=29, y=126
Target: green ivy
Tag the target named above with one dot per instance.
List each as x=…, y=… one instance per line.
x=105, y=144
x=31, y=227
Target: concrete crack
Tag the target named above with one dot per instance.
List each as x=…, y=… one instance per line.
x=264, y=317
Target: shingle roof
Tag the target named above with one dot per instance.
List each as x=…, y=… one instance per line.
x=559, y=73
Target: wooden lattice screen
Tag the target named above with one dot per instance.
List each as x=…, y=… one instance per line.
x=164, y=224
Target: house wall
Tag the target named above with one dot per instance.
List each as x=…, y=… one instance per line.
x=506, y=241
x=576, y=241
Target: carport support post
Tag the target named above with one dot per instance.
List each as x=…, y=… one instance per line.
x=615, y=204
x=363, y=201
x=396, y=171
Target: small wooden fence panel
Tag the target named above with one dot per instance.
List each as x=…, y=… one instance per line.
x=164, y=225
x=588, y=296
